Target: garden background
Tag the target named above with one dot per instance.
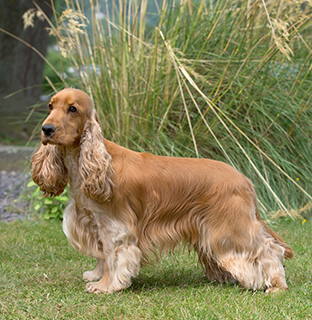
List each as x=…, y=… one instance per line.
x=227, y=80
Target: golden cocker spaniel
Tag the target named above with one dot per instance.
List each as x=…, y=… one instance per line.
x=125, y=203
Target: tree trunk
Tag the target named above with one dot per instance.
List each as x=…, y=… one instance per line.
x=21, y=69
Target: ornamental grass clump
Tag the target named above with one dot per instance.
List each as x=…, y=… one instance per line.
x=228, y=80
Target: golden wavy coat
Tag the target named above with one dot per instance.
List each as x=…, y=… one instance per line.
x=124, y=204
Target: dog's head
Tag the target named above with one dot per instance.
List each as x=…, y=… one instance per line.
x=72, y=124
x=69, y=110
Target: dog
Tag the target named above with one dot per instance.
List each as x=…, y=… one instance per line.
x=126, y=205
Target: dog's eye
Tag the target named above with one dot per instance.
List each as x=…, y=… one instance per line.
x=50, y=107
x=72, y=109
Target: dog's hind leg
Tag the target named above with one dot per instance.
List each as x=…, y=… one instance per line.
x=259, y=265
x=213, y=271
x=241, y=245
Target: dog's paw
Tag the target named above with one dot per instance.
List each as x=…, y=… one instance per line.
x=272, y=289
x=275, y=289
x=91, y=275
x=97, y=287
x=278, y=285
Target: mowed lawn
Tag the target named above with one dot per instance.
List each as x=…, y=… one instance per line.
x=40, y=278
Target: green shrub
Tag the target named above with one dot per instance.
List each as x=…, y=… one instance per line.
x=50, y=208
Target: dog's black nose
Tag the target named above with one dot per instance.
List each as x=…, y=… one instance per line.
x=48, y=129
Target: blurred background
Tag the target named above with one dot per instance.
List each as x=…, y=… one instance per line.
x=227, y=80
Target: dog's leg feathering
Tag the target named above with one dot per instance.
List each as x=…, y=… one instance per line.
x=247, y=252
x=118, y=270
x=259, y=267
x=122, y=262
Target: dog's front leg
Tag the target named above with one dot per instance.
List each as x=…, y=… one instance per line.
x=97, y=273
x=122, y=264
x=104, y=285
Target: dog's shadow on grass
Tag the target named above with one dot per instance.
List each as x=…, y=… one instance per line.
x=171, y=277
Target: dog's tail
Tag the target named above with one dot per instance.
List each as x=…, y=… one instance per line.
x=288, y=254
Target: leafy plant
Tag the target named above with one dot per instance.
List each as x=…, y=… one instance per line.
x=51, y=208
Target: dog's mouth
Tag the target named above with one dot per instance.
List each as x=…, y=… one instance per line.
x=48, y=139
x=57, y=140
x=45, y=140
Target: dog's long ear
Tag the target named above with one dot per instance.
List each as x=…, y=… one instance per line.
x=49, y=171
x=96, y=172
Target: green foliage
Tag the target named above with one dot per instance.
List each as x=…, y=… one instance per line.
x=227, y=80
x=51, y=208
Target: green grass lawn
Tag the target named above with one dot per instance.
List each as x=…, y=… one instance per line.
x=40, y=278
